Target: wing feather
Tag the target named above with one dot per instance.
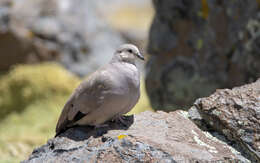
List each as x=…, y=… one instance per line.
x=88, y=96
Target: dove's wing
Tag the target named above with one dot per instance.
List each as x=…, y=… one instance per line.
x=89, y=96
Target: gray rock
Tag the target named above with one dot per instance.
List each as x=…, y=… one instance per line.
x=199, y=46
x=235, y=114
x=148, y=137
x=61, y=30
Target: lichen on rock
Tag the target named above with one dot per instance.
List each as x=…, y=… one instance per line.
x=234, y=113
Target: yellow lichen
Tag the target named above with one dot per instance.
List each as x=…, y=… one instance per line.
x=258, y=1
x=204, y=13
x=121, y=136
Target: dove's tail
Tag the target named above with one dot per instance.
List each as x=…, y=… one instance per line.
x=63, y=123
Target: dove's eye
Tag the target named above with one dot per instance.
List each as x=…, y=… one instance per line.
x=130, y=50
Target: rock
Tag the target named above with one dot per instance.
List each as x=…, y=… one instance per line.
x=148, y=137
x=69, y=32
x=234, y=113
x=14, y=48
x=199, y=46
x=11, y=48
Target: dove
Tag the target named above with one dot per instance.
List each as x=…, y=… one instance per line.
x=107, y=94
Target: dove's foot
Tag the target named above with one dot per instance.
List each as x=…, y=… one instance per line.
x=120, y=119
x=101, y=126
x=101, y=129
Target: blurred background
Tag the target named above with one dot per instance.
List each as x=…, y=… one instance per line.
x=47, y=47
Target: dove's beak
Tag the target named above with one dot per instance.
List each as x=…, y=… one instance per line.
x=140, y=56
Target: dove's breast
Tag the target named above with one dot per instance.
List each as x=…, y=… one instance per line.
x=120, y=95
x=129, y=85
x=128, y=77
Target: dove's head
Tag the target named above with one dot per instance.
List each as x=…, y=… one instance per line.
x=127, y=53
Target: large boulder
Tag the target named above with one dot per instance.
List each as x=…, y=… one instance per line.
x=12, y=49
x=148, y=137
x=234, y=113
x=72, y=33
x=198, y=46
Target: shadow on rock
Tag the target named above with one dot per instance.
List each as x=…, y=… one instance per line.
x=79, y=133
x=151, y=137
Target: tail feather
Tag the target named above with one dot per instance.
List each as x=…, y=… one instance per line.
x=61, y=127
x=63, y=123
x=63, y=120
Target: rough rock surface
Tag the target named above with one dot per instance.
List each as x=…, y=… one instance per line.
x=148, y=137
x=199, y=46
x=234, y=113
x=12, y=49
x=70, y=32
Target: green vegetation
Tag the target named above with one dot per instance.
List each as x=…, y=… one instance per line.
x=26, y=84
x=31, y=98
x=21, y=132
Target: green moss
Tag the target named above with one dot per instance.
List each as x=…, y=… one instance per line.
x=27, y=83
x=199, y=44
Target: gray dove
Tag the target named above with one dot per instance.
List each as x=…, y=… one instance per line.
x=108, y=93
